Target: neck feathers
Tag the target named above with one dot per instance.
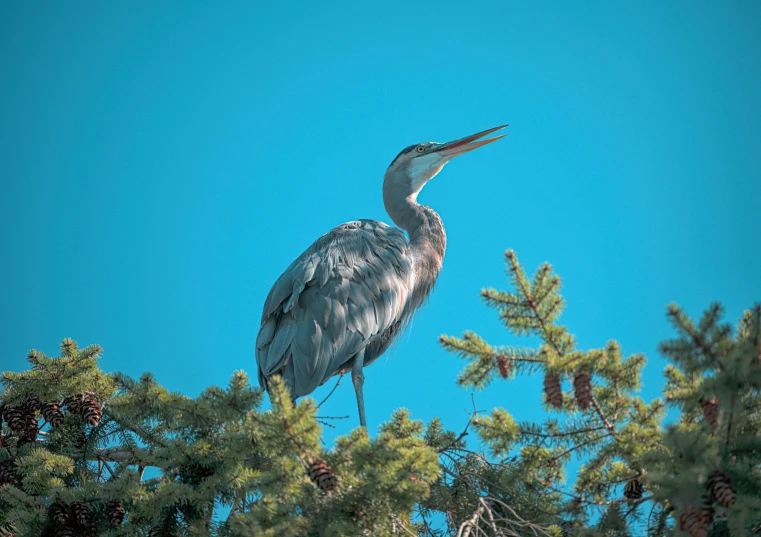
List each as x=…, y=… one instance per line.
x=428, y=240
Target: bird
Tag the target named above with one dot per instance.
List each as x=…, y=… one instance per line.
x=340, y=304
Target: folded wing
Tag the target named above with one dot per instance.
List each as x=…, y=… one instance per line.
x=336, y=298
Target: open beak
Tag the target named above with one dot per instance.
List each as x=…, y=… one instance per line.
x=463, y=145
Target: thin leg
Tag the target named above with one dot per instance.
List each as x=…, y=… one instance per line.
x=358, y=379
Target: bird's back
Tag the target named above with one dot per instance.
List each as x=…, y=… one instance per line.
x=348, y=291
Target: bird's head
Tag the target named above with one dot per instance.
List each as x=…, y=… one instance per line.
x=419, y=163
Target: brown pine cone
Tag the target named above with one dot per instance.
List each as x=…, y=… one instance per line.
x=58, y=513
x=16, y=418
x=52, y=413
x=80, y=514
x=552, y=390
x=693, y=522
x=706, y=512
x=8, y=474
x=582, y=386
x=322, y=476
x=633, y=490
x=115, y=512
x=73, y=403
x=91, y=410
x=29, y=432
x=504, y=366
x=710, y=412
x=32, y=403
x=720, y=487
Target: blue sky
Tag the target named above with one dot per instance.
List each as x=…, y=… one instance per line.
x=161, y=164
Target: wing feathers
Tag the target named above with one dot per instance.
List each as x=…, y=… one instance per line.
x=341, y=294
x=266, y=332
x=276, y=351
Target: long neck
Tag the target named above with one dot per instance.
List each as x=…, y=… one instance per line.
x=428, y=240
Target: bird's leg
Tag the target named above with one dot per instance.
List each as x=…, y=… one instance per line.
x=358, y=379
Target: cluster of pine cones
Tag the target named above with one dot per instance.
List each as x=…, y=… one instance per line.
x=582, y=387
x=695, y=522
x=76, y=519
x=22, y=419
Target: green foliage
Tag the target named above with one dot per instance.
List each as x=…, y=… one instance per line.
x=712, y=364
x=221, y=465
x=217, y=454
x=616, y=435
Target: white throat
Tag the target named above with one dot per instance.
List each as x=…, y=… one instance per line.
x=423, y=169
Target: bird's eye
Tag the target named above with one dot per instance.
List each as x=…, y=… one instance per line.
x=420, y=149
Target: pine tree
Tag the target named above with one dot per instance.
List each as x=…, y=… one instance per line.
x=637, y=477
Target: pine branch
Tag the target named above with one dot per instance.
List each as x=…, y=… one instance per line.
x=548, y=336
x=125, y=455
x=583, y=444
x=561, y=434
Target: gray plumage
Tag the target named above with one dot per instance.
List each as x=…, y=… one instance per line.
x=342, y=302
x=343, y=293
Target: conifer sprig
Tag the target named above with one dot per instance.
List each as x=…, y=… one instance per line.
x=485, y=368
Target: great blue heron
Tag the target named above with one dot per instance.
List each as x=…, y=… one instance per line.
x=342, y=302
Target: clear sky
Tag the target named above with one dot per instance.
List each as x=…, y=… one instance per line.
x=162, y=163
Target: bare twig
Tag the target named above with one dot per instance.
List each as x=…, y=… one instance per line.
x=321, y=420
x=398, y=523
x=516, y=521
x=501, y=524
x=561, y=435
x=121, y=454
x=331, y=391
x=574, y=448
x=471, y=523
x=462, y=435
x=491, y=517
x=108, y=467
